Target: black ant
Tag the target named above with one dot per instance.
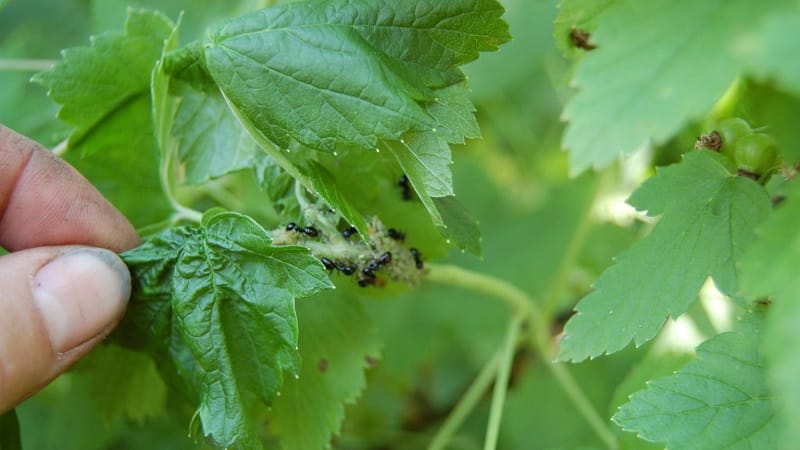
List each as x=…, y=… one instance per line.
x=349, y=231
x=291, y=226
x=347, y=270
x=396, y=235
x=329, y=265
x=368, y=273
x=405, y=186
x=417, y=257
x=309, y=231
x=385, y=258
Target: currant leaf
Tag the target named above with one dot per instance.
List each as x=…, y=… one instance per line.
x=337, y=341
x=708, y=219
x=625, y=76
x=124, y=383
x=720, y=401
x=763, y=49
x=394, y=54
x=219, y=300
x=104, y=92
x=576, y=14
x=768, y=274
x=211, y=141
x=94, y=84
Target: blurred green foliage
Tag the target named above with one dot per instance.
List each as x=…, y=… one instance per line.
x=540, y=231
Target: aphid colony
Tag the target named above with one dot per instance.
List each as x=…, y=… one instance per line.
x=381, y=256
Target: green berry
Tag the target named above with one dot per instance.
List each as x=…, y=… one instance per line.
x=732, y=130
x=756, y=154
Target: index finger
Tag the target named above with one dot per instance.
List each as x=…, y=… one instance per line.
x=44, y=201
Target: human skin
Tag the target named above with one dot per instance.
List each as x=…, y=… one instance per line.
x=62, y=288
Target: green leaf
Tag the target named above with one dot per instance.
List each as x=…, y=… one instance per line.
x=94, y=84
x=283, y=66
x=641, y=61
x=225, y=294
x=211, y=141
x=461, y=226
x=336, y=341
x=765, y=50
x=426, y=159
x=425, y=170
x=708, y=219
x=576, y=14
x=124, y=383
x=720, y=401
x=768, y=271
x=306, y=171
x=104, y=91
x=454, y=114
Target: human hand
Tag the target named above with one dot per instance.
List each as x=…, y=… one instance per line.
x=61, y=292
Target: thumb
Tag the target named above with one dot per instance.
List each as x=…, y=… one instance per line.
x=56, y=303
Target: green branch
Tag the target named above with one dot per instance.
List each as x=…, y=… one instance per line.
x=468, y=401
x=525, y=308
x=501, y=383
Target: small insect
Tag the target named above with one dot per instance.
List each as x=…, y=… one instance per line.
x=405, y=186
x=322, y=364
x=370, y=361
x=309, y=231
x=291, y=226
x=417, y=257
x=580, y=39
x=385, y=258
x=711, y=141
x=349, y=231
x=396, y=235
x=329, y=265
x=364, y=282
x=371, y=266
x=345, y=269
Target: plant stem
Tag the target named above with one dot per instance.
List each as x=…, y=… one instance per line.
x=526, y=308
x=501, y=383
x=25, y=65
x=468, y=401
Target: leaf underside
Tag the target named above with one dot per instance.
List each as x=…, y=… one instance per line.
x=720, y=401
x=708, y=219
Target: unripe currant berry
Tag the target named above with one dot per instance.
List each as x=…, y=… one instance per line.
x=731, y=130
x=757, y=154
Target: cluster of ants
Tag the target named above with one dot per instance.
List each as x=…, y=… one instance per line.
x=366, y=276
x=366, y=269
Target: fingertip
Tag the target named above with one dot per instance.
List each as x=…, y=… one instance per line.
x=57, y=303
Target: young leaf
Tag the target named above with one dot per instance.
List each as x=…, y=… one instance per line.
x=94, y=84
x=393, y=53
x=229, y=296
x=720, y=401
x=336, y=341
x=708, y=219
x=643, y=60
x=768, y=271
